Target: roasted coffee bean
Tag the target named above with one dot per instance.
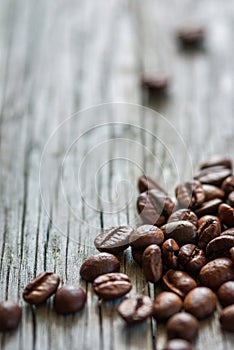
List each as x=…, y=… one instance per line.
x=181, y=231
x=231, y=252
x=212, y=192
x=158, y=82
x=231, y=199
x=113, y=240
x=69, y=299
x=209, y=208
x=226, y=293
x=145, y=183
x=191, y=37
x=216, y=272
x=152, y=263
x=228, y=185
x=137, y=255
x=205, y=218
x=213, y=175
x=136, y=310
x=154, y=207
x=207, y=231
x=10, y=315
x=177, y=344
x=182, y=325
x=217, y=160
x=229, y=232
x=145, y=235
x=190, y=194
x=170, y=250
x=112, y=285
x=166, y=304
x=183, y=215
x=226, y=215
x=191, y=258
x=178, y=282
x=227, y=318
x=219, y=247
x=41, y=288
x=201, y=302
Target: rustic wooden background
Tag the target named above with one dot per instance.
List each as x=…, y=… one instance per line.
x=60, y=57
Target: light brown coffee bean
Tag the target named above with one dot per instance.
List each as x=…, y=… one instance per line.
x=201, y=302
x=112, y=285
x=178, y=282
x=166, y=304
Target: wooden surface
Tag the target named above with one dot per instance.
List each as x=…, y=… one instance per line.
x=61, y=183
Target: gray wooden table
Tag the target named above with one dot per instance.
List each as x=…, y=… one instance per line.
x=70, y=162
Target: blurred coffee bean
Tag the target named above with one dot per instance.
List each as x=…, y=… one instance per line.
x=228, y=185
x=152, y=263
x=217, y=160
x=226, y=293
x=191, y=258
x=212, y=192
x=177, y=344
x=219, y=247
x=216, y=272
x=213, y=176
x=201, y=302
x=145, y=235
x=207, y=231
x=227, y=318
x=69, y=299
x=226, y=215
x=145, y=183
x=137, y=255
x=229, y=231
x=231, y=199
x=112, y=285
x=182, y=325
x=205, y=218
x=155, y=81
x=231, y=252
x=190, y=194
x=183, y=215
x=178, y=282
x=170, y=251
x=166, y=304
x=136, y=310
x=182, y=232
x=191, y=36
x=209, y=208
x=10, y=315
x=113, y=240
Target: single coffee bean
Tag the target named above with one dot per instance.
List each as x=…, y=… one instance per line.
x=177, y=344
x=112, y=285
x=226, y=215
x=182, y=325
x=226, y=293
x=217, y=160
x=113, y=240
x=207, y=217
x=184, y=215
x=231, y=199
x=191, y=37
x=208, y=208
x=212, y=192
x=207, y=231
x=191, y=258
x=154, y=207
x=219, y=247
x=231, y=252
x=190, y=194
x=216, y=272
x=170, y=250
x=97, y=265
x=213, y=175
x=181, y=231
x=166, y=304
x=158, y=82
x=145, y=235
x=137, y=255
x=201, y=302
x=136, y=310
x=41, y=288
x=227, y=318
x=69, y=299
x=145, y=183
x=10, y=315
x=228, y=185
x=178, y=282
x=229, y=232
x=152, y=263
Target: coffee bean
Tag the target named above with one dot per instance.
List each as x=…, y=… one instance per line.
x=201, y=302
x=191, y=258
x=217, y=160
x=177, y=344
x=181, y=231
x=216, y=272
x=184, y=215
x=209, y=208
x=207, y=231
x=145, y=235
x=69, y=299
x=207, y=217
x=226, y=215
x=219, y=247
x=10, y=315
x=212, y=192
x=137, y=255
x=226, y=293
x=228, y=185
x=99, y=264
x=178, y=282
x=190, y=194
x=227, y=318
x=231, y=252
x=231, y=199
x=112, y=285
x=113, y=240
x=213, y=175
x=152, y=263
x=170, y=251
x=158, y=82
x=229, y=232
x=166, y=304
x=182, y=325
x=145, y=183
x=41, y=288
x=154, y=207
x=191, y=37
x=136, y=310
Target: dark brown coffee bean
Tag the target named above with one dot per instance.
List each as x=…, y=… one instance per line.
x=154, y=207
x=231, y=252
x=229, y=231
x=10, y=315
x=226, y=215
x=190, y=194
x=158, y=82
x=213, y=176
x=41, y=288
x=178, y=282
x=113, y=240
x=226, y=293
x=191, y=37
x=137, y=255
x=145, y=235
x=216, y=272
x=183, y=215
x=69, y=299
x=207, y=231
x=177, y=344
x=209, y=208
x=207, y=217
x=181, y=231
x=136, y=310
x=145, y=183
x=97, y=265
x=217, y=160
x=191, y=258
x=152, y=263
x=182, y=325
x=228, y=185
x=112, y=285
x=231, y=199
x=201, y=302
x=219, y=247
x=166, y=304
x=227, y=318
x=212, y=192
x=170, y=250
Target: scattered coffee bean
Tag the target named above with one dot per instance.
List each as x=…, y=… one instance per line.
x=177, y=344
x=231, y=199
x=183, y=215
x=166, y=304
x=228, y=185
x=201, y=302
x=97, y=265
x=137, y=255
x=113, y=240
x=209, y=208
x=191, y=36
x=158, y=82
x=170, y=250
x=69, y=299
x=152, y=263
x=217, y=160
x=226, y=293
x=182, y=325
x=41, y=288
x=178, y=282
x=207, y=231
x=112, y=285
x=216, y=272
x=205, y=218
x=227, y=318
x=190, y=194
x=213, y=175
x=226, y=215
x=10, y=315
x=136, y=310
x=145, y=184
x=219, y=247
x=231, y=252
x=191, y=258
x=212, y=192
x=182, y=232
x=145, y=235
